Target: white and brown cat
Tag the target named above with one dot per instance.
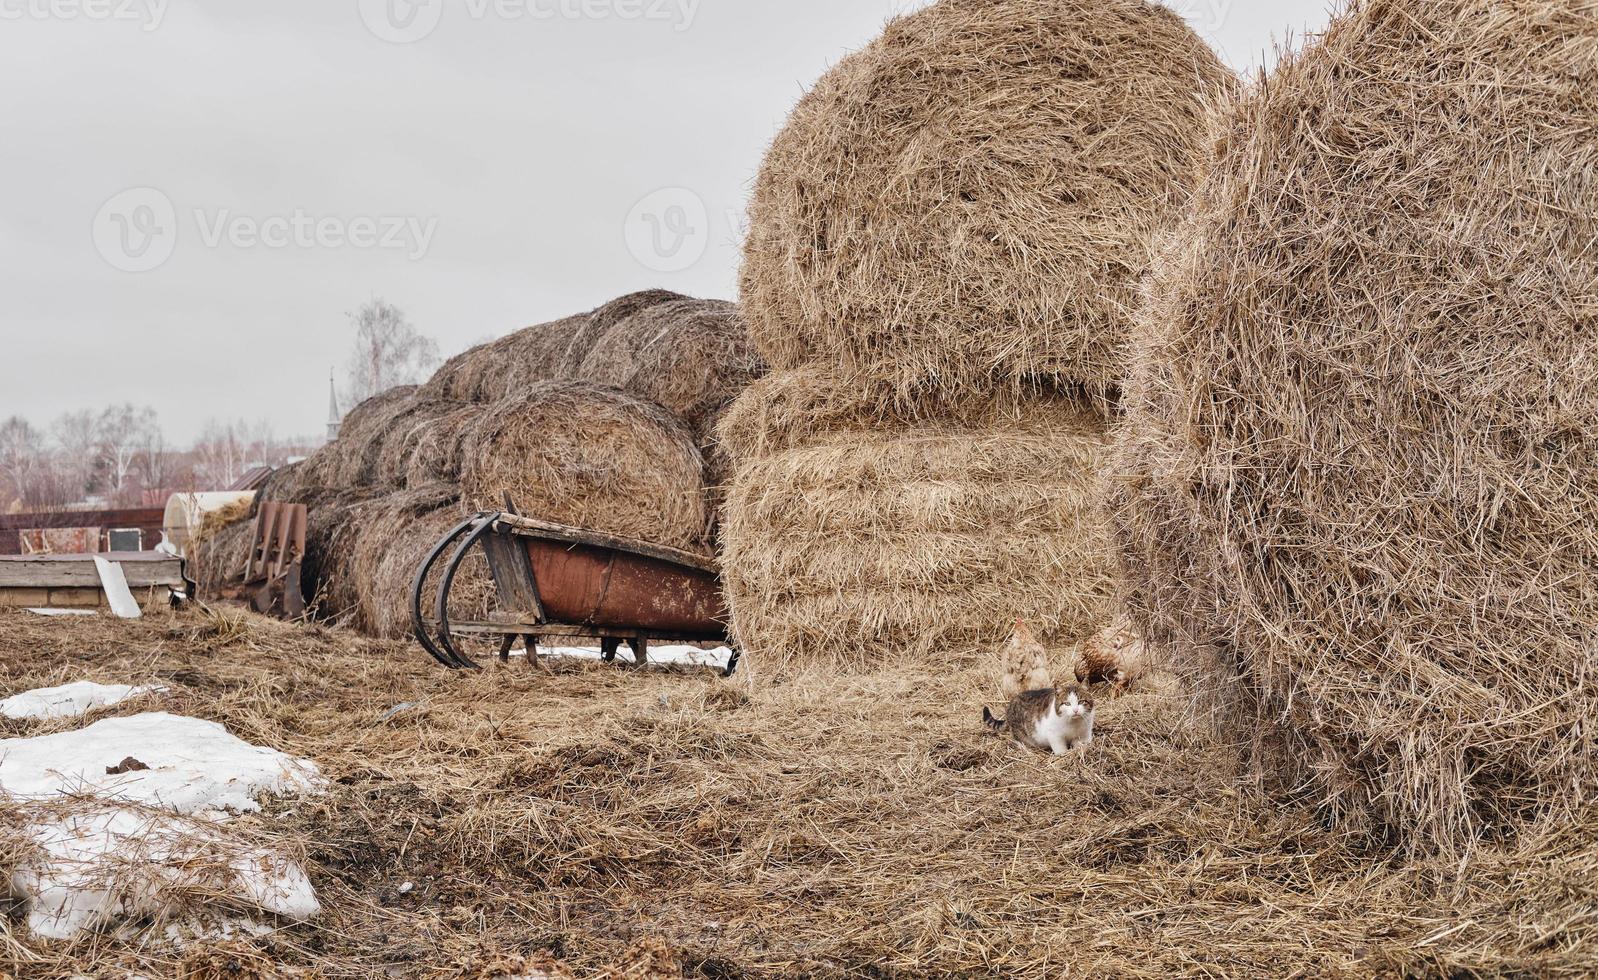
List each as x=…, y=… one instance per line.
x=1057, y=720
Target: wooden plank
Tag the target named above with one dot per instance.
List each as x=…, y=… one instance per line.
x=513, y=575
x=528, y=527
x=38, y=572
x=582, y=632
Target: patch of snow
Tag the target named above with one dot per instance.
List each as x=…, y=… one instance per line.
x=64, y=612
x=111, y=863
x=146, y=839
x=684, y=655
x=70, y=700
x=195, y=766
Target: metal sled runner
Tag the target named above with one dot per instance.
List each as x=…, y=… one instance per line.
x=553, y=581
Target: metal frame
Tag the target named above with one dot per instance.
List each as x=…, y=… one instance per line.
x=517, y=589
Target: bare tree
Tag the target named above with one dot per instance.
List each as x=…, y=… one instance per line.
x=123, y=432
x=77, y=440
x=22, y=456
x=156, y=463
x=219, y=454
x=388, y=351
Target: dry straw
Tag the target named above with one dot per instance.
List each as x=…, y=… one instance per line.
x=919, y=544
x=794, y=408
x=590, y=457
x=824, y=827
x=968, y=202
x=1364, y=438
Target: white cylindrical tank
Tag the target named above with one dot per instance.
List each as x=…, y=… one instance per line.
x=185, y=512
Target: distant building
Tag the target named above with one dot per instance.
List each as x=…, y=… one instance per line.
x=334, y=417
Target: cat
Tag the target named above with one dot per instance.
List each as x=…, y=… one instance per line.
x=1022, y=649
x=1056, y=720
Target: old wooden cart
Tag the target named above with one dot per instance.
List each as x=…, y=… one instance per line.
x=554, y=582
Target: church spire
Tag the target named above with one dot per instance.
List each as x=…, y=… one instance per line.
x=334, y=417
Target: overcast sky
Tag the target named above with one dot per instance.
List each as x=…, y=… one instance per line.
x=197, y=192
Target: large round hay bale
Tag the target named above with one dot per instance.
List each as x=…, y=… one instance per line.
x=439, y=451
x=1368, y=430
x=590, y=457
x=691, y=357
x=351, y=460
x=512, y=363
x=969, y=202
x=925, y=545
x=396, y=534
x=407, y=432
x=216, y=559
x=603, y=319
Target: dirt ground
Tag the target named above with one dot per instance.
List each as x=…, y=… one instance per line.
x=585, y=820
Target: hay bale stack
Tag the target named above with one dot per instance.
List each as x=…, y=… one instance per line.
x=1368, y=426
x=946, y=241
x=921, y=543
x=590, y=457
x=968, y=202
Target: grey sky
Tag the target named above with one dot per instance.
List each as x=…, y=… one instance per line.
x=515, y=140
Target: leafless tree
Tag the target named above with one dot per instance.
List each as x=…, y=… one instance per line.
x=157, y=464
x=123, y=432
x=22, y=456
x=77, y=457
x=388, y=351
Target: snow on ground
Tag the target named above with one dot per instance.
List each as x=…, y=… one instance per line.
x=126, y=816
x=684, y=655
x=70, y=700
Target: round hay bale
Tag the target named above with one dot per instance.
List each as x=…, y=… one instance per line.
x=603, y=319
x=968, y=202
x=351, y=460
x=332, y=525
x=406, y=433
x=216, y=559
x=1367, y=431
x=691, y=357
x=880, y=546
x=396, y=533
x=440, y=447
x=389, y=554
x=794, y=408
x=590, y=457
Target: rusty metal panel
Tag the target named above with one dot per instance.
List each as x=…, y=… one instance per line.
x=591, y=586
x=60, y=540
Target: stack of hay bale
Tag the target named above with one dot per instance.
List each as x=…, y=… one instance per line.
x=945, y=243
x=1362, y=438
x=603, y=420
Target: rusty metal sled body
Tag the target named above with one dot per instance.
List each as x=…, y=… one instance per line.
x=554, y=581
